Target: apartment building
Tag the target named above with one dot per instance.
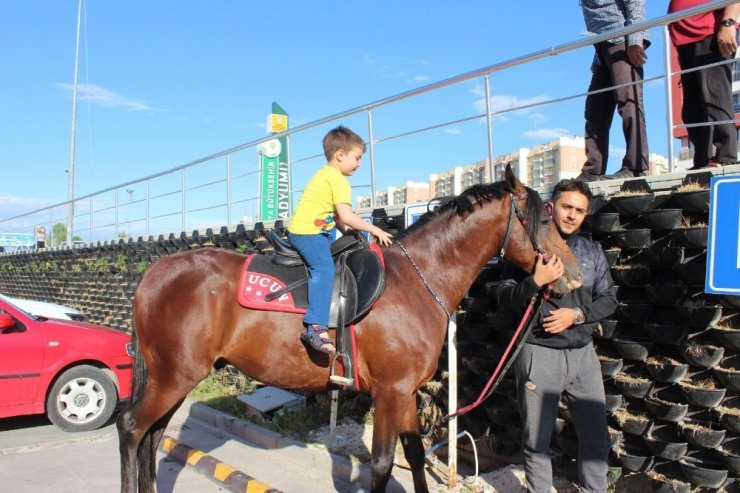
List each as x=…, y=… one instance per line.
x=545, y=164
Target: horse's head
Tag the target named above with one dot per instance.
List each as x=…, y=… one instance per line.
x=532, y=230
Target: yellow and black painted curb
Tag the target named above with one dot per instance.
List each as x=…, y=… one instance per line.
x=225, y=475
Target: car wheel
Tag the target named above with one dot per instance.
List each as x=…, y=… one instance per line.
x=82, y=399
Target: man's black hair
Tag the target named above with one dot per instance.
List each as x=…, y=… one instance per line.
x=571, y=185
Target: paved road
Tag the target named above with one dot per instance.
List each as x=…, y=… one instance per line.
x=36, y=456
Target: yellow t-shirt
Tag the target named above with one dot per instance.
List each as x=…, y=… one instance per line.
x=315, y=211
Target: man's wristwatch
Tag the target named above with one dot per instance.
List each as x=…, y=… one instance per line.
x=728, y=22
x=578, y=316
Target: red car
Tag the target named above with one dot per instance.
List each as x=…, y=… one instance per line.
x=74, y=372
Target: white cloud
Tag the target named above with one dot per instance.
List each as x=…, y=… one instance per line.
x=13, y=205
x=504, y=102
x=546, y=133
x=617, y=150
x=423, y=62
x=368, y=59
x=452, y=131
x=103, y=97
x=538, y=118
x=421, y=78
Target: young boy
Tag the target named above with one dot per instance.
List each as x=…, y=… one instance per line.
x=325, y=204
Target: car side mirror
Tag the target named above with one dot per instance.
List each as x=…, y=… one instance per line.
x=6, y=322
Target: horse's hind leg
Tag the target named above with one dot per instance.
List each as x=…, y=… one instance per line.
x=140, y=429
x=413, y=449
x=128, y=444
x=147, y=463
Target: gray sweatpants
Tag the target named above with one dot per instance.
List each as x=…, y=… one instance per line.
x=543, y=375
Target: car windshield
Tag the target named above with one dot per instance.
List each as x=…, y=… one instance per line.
x=11, y=301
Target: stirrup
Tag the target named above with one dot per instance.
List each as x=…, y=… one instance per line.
x=312, y=337
x=336, y=379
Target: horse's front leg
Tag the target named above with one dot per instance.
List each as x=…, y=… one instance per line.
x=413, y=449
x=388, y=422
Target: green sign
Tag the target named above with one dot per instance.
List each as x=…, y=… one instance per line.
x=274, y=169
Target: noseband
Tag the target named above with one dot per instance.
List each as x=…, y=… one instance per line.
x=517, y=209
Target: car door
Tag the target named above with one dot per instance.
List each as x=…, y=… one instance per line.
x=21, y=361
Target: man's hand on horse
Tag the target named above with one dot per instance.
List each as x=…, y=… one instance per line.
x=545, y=273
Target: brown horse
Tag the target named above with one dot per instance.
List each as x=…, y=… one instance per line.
x=187, y=319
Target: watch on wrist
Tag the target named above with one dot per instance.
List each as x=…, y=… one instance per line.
x=728, y=22
x=578, y=316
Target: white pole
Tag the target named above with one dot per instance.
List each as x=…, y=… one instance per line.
x=452, y=401
x=489, y=127
x=71, y=170
x=334, y=406
x=668, y=95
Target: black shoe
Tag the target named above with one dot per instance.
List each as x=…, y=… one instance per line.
x=587, y=177
x=622, y=174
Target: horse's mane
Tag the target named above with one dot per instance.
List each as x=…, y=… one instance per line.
x=476, y=194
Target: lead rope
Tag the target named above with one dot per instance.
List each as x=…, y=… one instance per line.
x=424, y=281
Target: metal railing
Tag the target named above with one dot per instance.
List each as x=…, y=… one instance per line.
x=222, y=188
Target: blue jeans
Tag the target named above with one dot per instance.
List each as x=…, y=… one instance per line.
x=314, y=250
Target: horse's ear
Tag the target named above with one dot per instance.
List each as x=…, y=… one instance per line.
x=512, y=182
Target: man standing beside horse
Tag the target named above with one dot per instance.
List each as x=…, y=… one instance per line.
x=558, y=359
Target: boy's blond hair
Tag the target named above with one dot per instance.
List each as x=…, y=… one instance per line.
x=341, y=138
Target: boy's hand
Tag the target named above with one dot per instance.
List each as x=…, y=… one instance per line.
x=384, y=238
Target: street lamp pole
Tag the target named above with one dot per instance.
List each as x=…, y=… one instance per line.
x=71, y=169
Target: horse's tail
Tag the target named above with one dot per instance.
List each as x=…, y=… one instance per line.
x=138, y=384
x=141, y=374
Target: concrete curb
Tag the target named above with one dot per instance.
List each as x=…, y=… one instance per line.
x=338, y=466
x=225, y=475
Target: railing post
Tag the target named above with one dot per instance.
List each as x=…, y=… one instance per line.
x=146, y=208
x=90, y=226
x=371, y=151
x=116, y=216
x=228, y=190
x=668, y=94
x=489, y=126
x=182, y=198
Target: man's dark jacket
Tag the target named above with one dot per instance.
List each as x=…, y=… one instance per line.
x=597, y=297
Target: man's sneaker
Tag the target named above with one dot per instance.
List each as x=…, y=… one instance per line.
x=586, y=177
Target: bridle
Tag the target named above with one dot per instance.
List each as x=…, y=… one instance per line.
x=516, y=209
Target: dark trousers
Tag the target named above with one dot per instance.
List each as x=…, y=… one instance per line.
x=544, y=376
x=613, y=68
x=707, y=97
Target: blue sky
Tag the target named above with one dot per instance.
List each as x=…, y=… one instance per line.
x=162, y=83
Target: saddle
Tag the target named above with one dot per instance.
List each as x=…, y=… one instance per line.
x=278, y=282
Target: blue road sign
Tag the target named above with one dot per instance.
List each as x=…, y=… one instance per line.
x=723, y=245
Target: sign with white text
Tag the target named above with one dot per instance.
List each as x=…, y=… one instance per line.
x=275, y=196
x=723, y=242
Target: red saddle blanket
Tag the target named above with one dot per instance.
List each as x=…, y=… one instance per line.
x=261, y=277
